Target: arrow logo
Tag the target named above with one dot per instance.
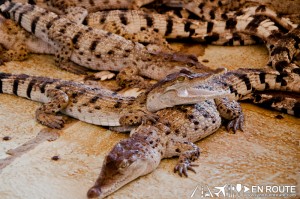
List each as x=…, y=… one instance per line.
x=246, y=189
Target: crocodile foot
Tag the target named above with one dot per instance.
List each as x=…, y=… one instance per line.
x=236, y=124
x=102, y=75
x=52, y=121
x=183, y=168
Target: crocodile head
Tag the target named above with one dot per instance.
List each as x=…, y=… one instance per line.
x=128, y=160
x=185, y=87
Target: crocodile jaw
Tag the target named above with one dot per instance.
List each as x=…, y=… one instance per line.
x=105, y=186
x=182, y=96
x=128, y=160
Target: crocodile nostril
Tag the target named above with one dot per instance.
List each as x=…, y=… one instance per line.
x=93, y=192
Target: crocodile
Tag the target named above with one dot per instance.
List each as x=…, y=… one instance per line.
x=152, y=26
x=96, y=49
x=106, y=108
x=174, y=134
x=137, y=28
x=93, y=104
x=149, y=143
x=59, y=6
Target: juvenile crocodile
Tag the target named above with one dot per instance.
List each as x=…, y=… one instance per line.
x=102, y=107
x=149, y=143
x=93, y=104
x=58, y=6
x=174, y=135
x=95, y=49
x=153, y=28
x=144, y=27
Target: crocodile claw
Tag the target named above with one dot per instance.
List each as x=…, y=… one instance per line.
x=236, y=124
x=183, y=168
x=52, y=121
x=102, y=75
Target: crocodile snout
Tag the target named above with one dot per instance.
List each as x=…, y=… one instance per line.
x=93, y=192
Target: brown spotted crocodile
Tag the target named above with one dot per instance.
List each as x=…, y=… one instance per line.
x=143, y=27
x=153, y=28
x=102, y=107
x=174, y=134
x=208, y=11
x=59, y=6
x=93, y=104
x=95, y=49
x=137, y=25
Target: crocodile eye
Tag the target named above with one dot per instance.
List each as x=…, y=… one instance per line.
x=124, y=164
x=181, y=78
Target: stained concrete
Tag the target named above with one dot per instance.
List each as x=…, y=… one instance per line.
x=266, y=153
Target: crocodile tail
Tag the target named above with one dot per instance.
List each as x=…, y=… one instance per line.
x=282, y=101
x=245, y=81
x=25, y=86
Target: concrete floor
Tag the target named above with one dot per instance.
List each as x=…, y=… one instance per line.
x=266, y=153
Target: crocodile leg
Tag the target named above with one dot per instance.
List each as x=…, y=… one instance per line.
x=64, y=49
x=129, y=76
x=188, y=152
x=46, y=113
x=232, y=111
x=19, y=53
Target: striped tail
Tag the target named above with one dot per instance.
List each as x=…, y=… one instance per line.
x=26, y=86
x=284, y=50
x=245, y=81
x=282, y=101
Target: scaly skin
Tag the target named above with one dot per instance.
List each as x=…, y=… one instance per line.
x=212, y=12
x=283, y=50
x=282, y=101
x=224, y=9
x=89, y=47
x=176, y=130
x=18, y=42
x=90, y=104
x=172, y=135
x=102, y=107
x=59, y=6
x=218, y=33
x=158, y=26
x=154, y=28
